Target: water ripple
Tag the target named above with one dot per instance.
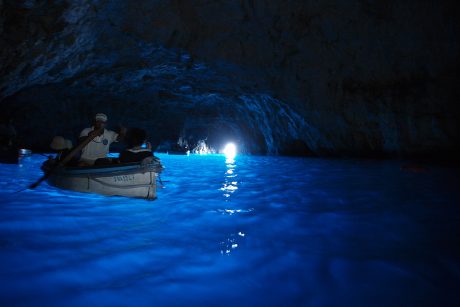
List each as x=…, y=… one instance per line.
x=258, y=230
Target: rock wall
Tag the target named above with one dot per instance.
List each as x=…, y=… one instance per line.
x=359, y=78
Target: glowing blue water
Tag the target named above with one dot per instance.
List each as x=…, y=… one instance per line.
x=256, y=231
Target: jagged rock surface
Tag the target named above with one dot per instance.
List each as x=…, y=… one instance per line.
x=335, y=77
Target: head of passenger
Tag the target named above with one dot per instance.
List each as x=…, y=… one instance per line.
x=100, y=121
x=60, y=144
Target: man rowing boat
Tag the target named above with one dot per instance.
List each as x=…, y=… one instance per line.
x=95, y=152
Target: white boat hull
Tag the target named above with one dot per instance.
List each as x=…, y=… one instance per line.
x=136, y=180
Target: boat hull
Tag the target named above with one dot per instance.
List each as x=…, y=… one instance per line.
x=135, y=180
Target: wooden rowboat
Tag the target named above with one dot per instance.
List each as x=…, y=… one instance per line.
x=129, y=179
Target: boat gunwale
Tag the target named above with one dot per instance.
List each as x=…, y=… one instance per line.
x=104, y=174
x=108, y=170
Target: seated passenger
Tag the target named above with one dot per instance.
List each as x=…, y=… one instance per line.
x=135, y=138
x=98, y=148
x=63, y=147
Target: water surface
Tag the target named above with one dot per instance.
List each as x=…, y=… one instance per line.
x=253, y=231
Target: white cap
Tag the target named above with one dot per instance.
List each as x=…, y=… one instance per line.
x=100, y=117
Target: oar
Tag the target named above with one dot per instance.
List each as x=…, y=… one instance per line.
x=67, y=158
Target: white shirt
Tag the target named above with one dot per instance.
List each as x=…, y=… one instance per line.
x=99, y=146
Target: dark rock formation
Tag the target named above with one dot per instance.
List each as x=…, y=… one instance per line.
x=359, y=78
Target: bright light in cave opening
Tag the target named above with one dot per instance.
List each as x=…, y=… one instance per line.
x=230, y=151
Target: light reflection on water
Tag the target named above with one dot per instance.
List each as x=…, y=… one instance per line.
x=230, y=185
x=249, y=230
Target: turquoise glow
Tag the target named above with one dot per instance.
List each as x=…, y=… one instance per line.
x=253, y=231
